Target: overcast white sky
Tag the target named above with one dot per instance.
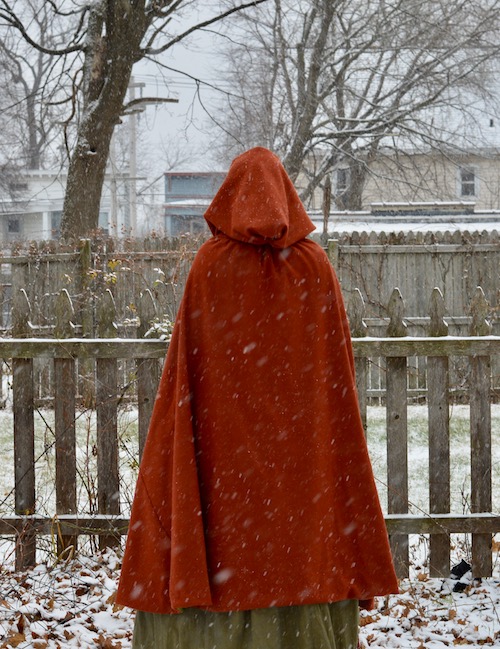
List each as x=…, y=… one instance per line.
x=184, y=124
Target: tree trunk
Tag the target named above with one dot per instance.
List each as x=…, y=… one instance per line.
x=86, y=173
x=357, y=178
x=114, y=38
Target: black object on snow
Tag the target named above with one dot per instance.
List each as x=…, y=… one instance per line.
x=458, y=571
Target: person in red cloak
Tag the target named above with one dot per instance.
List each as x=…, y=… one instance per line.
x=255, y=494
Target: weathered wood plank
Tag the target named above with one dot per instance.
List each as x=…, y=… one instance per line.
x=65, y=386
x=148, y=377
x=148, y=370
x=131, y=348
x=439, y=458
x=425, y=346
x=356, y=311
x=480, y=432
x=65, y=435
x=65, y=525
x=108, y=477
x=85, y=309
x=397, y=437
x=411, y=250
x=438, y=384
x=443, y=524
x=24, y=434
x=82, y=348
x=24, y=455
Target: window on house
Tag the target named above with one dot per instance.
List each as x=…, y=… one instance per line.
x=55, y=224
x=342, y=180
x=468, y=182
x=14, y=226
x=17, y=188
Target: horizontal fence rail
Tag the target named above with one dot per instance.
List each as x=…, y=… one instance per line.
x=368, y=347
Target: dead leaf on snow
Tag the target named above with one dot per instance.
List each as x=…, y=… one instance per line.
x=81, y=590
x=107, y=643
x=112, y=601
x=21, y=622
x=14, y=640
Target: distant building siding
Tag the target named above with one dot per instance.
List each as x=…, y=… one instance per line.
x=435, y=177
x=187, y=196
x=192, y=185
x=403, y=177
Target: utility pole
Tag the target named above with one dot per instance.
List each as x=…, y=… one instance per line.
x=113, y=214
x=133, y=158
x=135, y=106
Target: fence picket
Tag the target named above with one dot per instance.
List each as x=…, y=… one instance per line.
x=85, y=309
x=480, y=431
x=108, y=479
x=397, y=434
x=24, y=434
x=65, y=386
x=438, y=384
x=148, y=374
x=356, y=311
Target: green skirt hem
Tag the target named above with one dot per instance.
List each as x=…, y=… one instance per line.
x=314, y=626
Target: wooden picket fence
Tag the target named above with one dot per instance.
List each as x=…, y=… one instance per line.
x=69, y=354
x=416, y=262
x=372, y=262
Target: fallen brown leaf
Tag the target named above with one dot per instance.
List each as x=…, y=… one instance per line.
x=14, y=639
x=107, y=643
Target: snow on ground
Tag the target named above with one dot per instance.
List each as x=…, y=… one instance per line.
x=428, y=614
x=72, y=605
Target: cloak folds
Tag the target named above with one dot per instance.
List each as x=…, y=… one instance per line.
x=255, y=487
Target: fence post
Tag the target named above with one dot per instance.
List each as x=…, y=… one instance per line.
x=333, y=252
x=64, y=420
x=148, y=374
x=24, y=433
x=439, y=437
x=107, y=421
x=356, y=311
x=480, y=432
x=397, y=434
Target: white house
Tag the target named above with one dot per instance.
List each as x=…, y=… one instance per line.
x=32, y=206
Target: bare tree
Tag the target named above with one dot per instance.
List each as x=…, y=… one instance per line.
x=29, y=110
x=99, y=44
x=324, y=82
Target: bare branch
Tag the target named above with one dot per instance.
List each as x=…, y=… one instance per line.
x=11, y=19
x=206, y=23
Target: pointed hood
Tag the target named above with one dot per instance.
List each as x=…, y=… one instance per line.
x=257, y=203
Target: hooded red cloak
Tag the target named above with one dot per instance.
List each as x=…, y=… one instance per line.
x=255, y=487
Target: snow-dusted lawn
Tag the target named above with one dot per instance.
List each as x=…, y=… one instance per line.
x=71, y=604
